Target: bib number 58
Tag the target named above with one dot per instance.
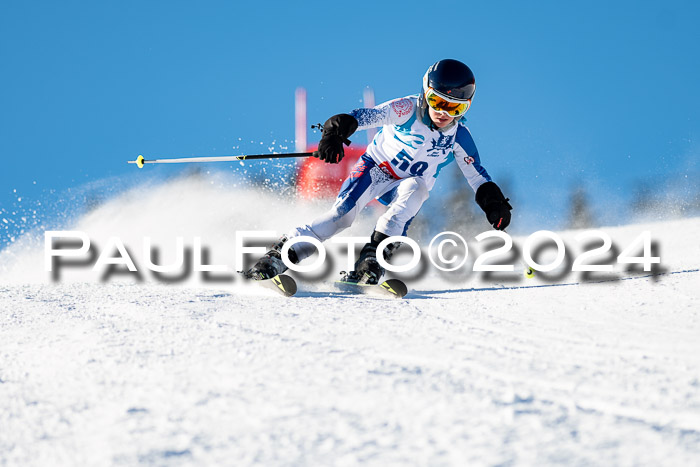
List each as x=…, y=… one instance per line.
x=403, y=161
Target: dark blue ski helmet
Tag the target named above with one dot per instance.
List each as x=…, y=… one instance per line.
x=451, y=80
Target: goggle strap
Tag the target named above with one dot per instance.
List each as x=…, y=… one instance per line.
x=447, y=98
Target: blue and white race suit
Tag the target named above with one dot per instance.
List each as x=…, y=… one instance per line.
x=399, y=168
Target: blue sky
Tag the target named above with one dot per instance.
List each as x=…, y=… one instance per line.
x=598, y=93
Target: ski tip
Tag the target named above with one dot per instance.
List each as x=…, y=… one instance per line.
x=282, y=284
x=395, y=286
x=286, y=285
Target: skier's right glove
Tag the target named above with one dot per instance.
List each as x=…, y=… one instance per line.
x=336, y=131
x=496, y=206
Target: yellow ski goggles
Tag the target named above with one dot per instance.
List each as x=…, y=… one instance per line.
x=446, y=105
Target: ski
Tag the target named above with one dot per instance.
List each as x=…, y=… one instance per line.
x=287, y=286
x=390, y=288
x=282, y=284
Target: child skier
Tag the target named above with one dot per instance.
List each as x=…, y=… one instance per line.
x=420, y=135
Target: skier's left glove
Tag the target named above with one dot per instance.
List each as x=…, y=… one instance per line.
x=496, y=206
x=336, y=131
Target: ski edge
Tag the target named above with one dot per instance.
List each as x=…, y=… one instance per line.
x=391, y=288
x=283, y=284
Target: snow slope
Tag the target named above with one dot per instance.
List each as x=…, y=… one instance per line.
x=467, y=372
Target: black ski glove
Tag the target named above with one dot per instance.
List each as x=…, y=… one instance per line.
x=496, y=206
x=336, y=131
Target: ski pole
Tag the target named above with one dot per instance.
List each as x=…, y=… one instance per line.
x=140, y=161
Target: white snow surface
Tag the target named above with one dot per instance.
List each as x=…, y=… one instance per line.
x=460, y=372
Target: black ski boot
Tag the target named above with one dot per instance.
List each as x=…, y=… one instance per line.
x=367, y=268
x=271, y=264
